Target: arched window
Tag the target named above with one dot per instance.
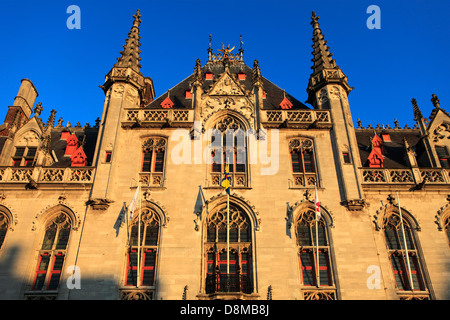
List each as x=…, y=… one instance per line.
x=304, y=171
x=153, y=161
x=231, y=273
x=4, y=225
x=229, y=146
x=403, y=253
x=316, y=269
x=52, y=253
x=144, y=234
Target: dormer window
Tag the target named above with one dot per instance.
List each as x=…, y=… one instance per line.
x=24, y=156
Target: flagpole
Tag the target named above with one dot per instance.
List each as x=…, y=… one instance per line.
x=317, y=240
x=405, y=244
x=228, y=231
x=139, y=239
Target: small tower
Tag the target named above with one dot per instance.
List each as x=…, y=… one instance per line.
x=328, y=88
x=125, y=87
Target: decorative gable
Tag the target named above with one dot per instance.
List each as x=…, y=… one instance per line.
x=167, y=103
x=226, y=86
x=72, y=145
x=286, y=104
x=376, y=157
x=78, y=158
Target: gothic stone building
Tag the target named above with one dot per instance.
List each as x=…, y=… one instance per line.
x=68, y=230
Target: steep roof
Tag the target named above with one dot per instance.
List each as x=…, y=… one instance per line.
x=393, y=150
x=177, y=94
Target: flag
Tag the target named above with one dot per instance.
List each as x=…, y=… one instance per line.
x=133, y=204
x=225, y=180
x=317, y=204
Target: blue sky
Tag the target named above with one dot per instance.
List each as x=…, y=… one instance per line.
x=405, y=59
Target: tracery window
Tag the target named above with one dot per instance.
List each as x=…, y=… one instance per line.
x=52, y=253
x=314, y=273
x=444, y=157
x=153, y=161
x=404, y=256
x=143, y=249
x=304, y=173
x=233, y=273
x=229, y=146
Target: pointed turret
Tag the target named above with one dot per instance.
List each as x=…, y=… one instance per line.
x=127, y=68
x=130, y=55
x=325, y=70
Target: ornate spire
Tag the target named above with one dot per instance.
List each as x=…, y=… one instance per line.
x=198, y=78
x=321, y=54
x=324, y=68
x=130, y=54
x=256, y=71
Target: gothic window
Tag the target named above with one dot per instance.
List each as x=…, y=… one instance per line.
x=52, y=253
x=304, y=171
x=153, y=161
x=232, y=272
x=404, y=256
x=143, y=249
x=229, y=146
x=4, y=225
x=310, y=249
x=24, y=156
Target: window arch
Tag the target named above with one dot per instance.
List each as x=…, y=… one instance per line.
x=229, y=146
x=232, y=273
x=404, y=254
x=52, y=253
x=303, y=161
x=313, y=242
x=142, y=253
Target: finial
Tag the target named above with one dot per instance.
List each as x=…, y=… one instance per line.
x=435, y=101
x=51, y=118
x=417, y=112
x=38, y=109
x=241, y=50
x=359, y=123
x=137, y=18
x=396, y=124
x=314, y=20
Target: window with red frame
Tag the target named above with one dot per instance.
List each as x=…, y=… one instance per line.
x=240, y=273
x=153, y=155
x=397, y=245
x=443, y=156
x=24, y=156
x=52, y=254
x=146, y=252
x=309, y=251
x=302, y=161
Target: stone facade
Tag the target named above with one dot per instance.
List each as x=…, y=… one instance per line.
x=66, y=192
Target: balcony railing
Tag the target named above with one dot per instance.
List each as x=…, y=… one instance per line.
x=302, y=118
x=148, y=118
x=47, y=175
x=228, y=283
x=405, y=176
